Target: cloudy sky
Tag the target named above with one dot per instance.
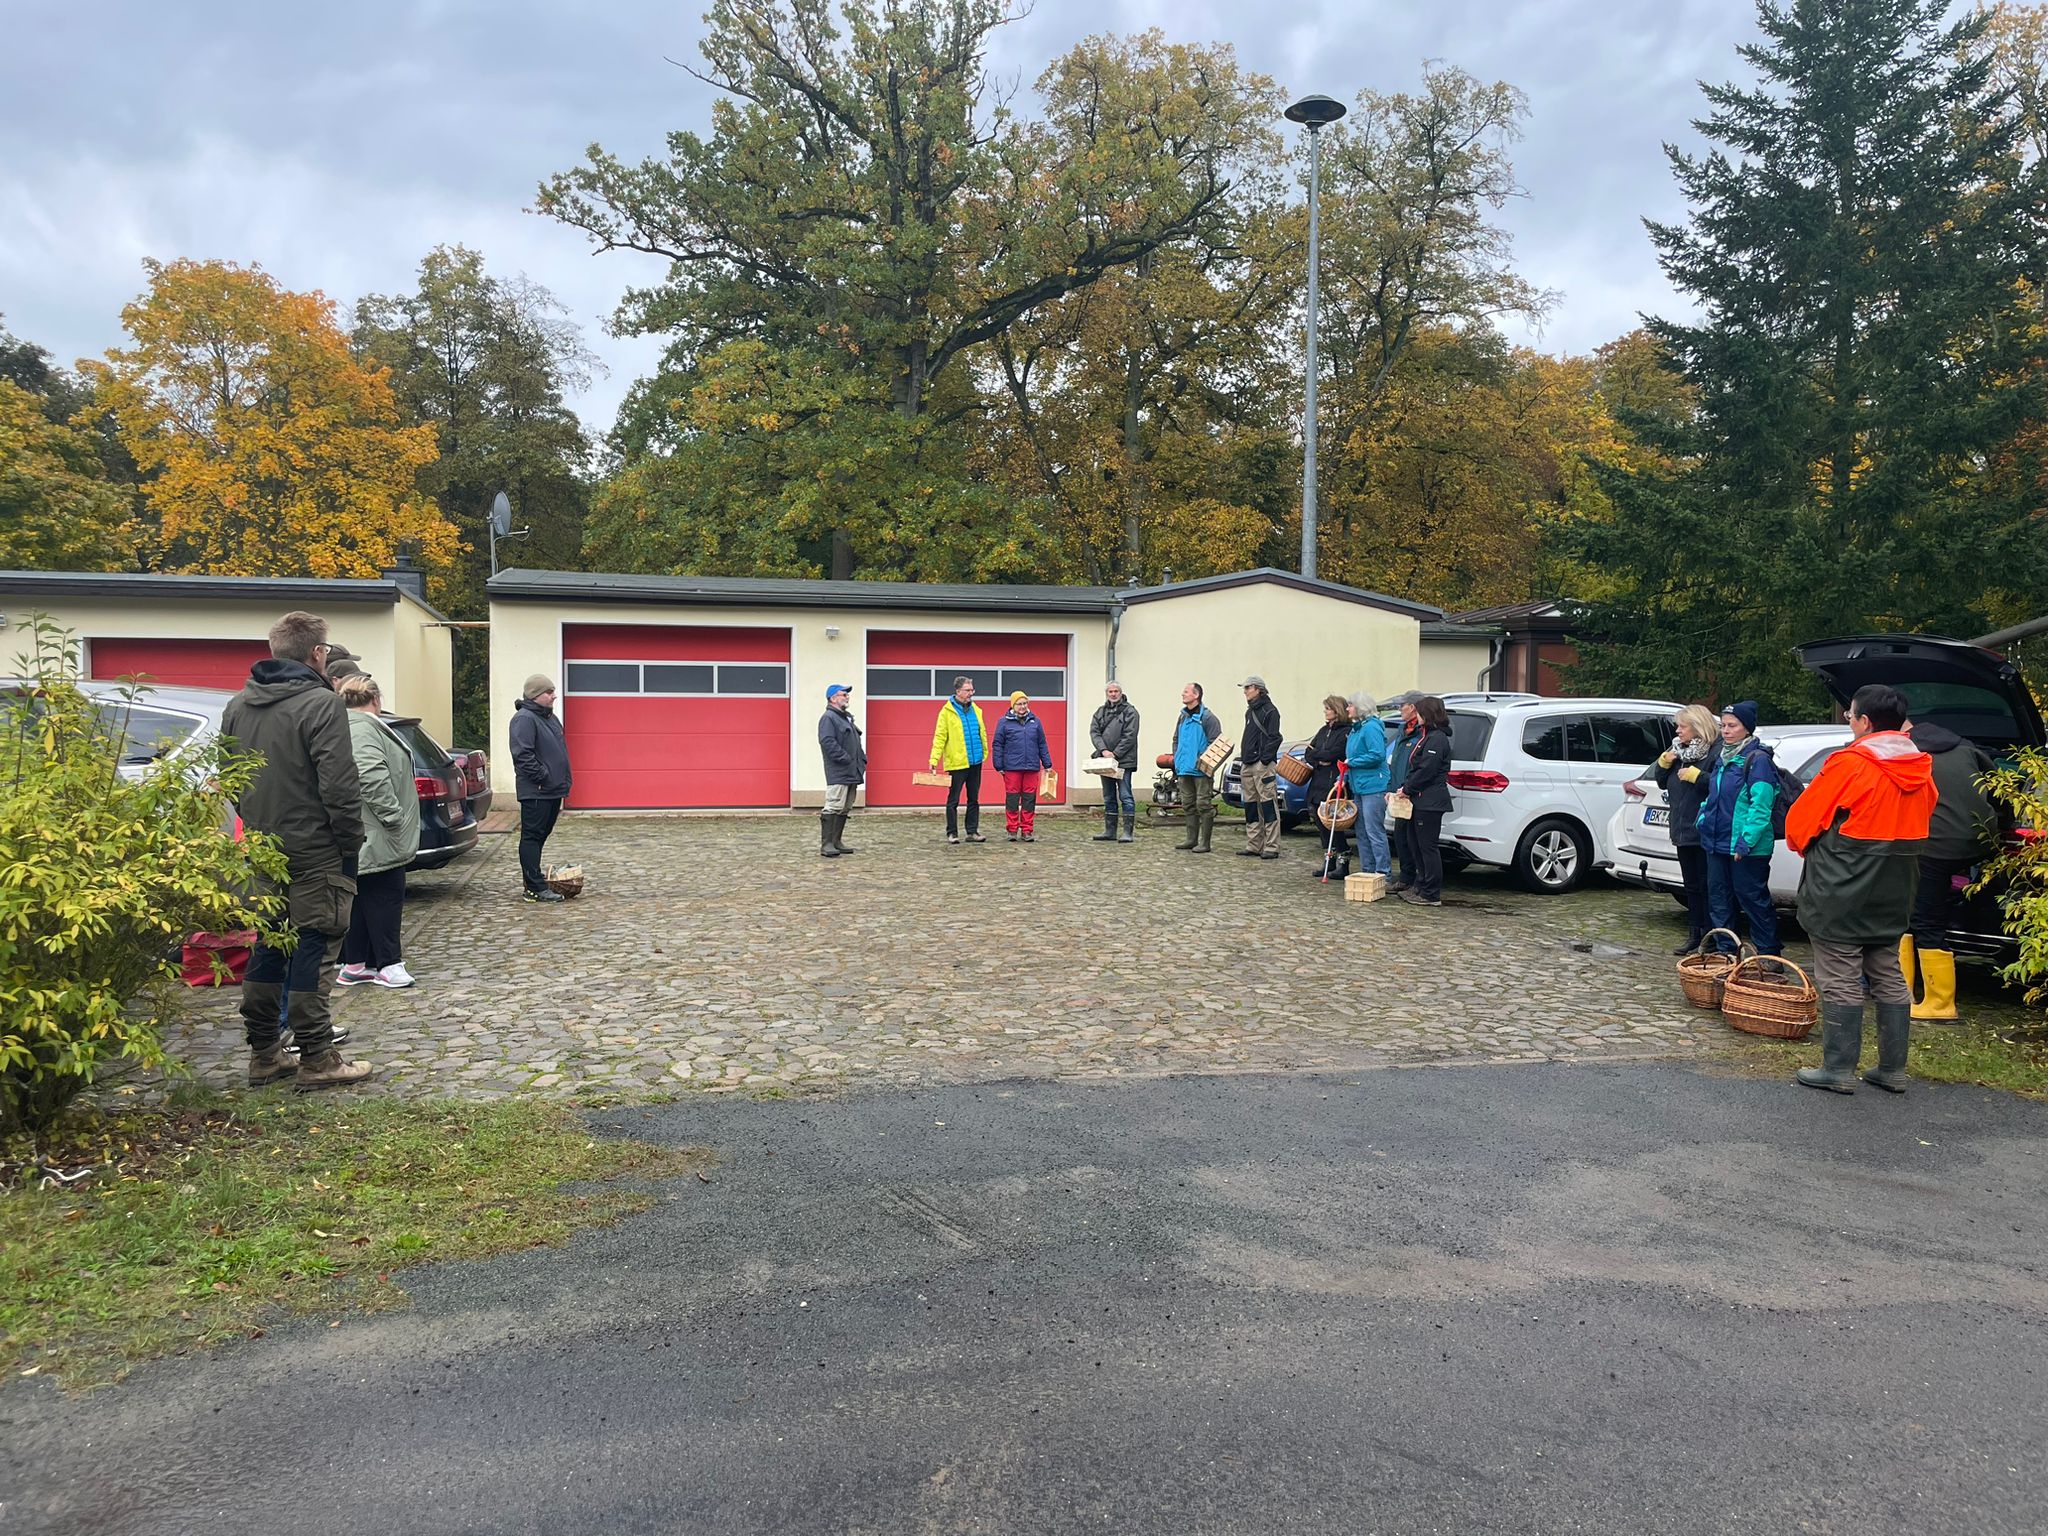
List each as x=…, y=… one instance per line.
x=335, y=144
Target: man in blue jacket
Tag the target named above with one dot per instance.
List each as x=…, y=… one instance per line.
x=1193, y=729
x=1735, y=830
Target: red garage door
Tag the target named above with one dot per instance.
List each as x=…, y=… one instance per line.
x=910, y=673
x=674, y=716
x=177, y=663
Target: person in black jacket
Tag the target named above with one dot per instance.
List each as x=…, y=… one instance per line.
x=1682, y=774
x=1426, y=788
x=846, y=766
x=1113, y=732
x=540, y=767
x=1325, y=757
x=1258, y=781
x=1965, y=831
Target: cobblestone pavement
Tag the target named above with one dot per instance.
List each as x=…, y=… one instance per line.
x=723, y=953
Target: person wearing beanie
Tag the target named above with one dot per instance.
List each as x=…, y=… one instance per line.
x=540, y=765
x=1020, y=754
x=846, y=766
x=1735, y=825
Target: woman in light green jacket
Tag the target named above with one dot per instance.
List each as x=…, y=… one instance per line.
x=391, y=824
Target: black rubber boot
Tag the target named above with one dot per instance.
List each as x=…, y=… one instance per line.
x=1108, y=832
x=827, y=849
x=1894, y=1033
x=1841, y=1042
x=1130, y=831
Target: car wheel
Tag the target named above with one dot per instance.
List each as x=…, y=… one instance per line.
x=1554, y=857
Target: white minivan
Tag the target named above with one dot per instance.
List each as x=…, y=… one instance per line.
x=1535, y=782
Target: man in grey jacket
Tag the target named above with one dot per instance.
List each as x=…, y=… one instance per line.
x=308, y=797
x=846, y=765
x=541, y=778
x=1114, y=733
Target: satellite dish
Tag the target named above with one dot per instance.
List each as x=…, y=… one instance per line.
x=501, y=515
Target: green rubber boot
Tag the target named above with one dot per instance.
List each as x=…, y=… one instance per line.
x=1841, y=1042
x=1894, y=1033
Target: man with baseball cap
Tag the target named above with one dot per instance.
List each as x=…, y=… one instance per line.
x=540, y=766
x=1258, y=779
x=846, y=765
x=342, y=663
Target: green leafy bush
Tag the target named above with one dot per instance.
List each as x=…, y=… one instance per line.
x=2020, y=871
x=105, y=868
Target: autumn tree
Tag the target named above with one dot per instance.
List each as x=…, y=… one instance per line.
x=58, y=510
x=1862, y=239
x=866, y=217
x=266, y=447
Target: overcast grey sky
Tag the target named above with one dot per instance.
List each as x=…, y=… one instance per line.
x=336, y=144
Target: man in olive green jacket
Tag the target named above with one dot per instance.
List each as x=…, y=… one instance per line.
x=308, y=796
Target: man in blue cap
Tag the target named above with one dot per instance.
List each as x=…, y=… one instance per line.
x=846, y=765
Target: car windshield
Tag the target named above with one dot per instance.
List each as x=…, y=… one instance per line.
x=1470, y=732
x=427, y=754
x=146, y=733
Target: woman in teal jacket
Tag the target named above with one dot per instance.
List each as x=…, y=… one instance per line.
x=1735, y=829
x=1365, y=761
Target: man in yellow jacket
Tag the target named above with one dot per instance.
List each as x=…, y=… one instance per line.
x=960, y=746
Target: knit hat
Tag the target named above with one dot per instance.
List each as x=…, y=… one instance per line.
x=837, y=688
x=1745, y=712
x=1019, y=697
x=537, y=685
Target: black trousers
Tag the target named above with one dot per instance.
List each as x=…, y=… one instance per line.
x=1692, y=868
x=537, y=819
x=373, y=925
x=1936, y=901
x=966, y=781
x=1424, y=828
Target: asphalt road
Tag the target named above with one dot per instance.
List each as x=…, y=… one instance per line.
x=1516, y=1299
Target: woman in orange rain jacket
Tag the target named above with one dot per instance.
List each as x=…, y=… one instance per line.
x=1860, y=825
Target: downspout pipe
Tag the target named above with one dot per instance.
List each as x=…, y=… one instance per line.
x=1116, y=622
x=1496, y=648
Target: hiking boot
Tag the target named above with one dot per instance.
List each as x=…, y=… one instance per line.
x=268, y=1066
x=328, y=1070
x=1894, y=1029
x=1248, y=853
x=287, y=1040
x=1270, y=853
x=976, y=837
x=545, y=894
x=1841, y=1041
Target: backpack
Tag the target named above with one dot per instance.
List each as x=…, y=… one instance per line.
x=1787, y=788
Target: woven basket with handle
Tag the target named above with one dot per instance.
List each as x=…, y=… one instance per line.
x=1759, y=1003
x=1703, y=972
x=1293, y=769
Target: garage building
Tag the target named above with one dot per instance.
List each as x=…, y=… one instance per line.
x=703, y=692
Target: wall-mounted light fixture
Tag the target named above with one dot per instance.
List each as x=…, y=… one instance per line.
x=831, y=631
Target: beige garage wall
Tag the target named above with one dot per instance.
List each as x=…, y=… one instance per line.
x=526, y=637
x=1304, y=644
x=422, y=677
x=1454, y=666
x=389, y=637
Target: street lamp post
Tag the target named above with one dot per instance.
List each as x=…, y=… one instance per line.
x=1313, y=112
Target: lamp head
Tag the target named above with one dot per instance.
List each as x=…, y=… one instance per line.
x=1315, y=111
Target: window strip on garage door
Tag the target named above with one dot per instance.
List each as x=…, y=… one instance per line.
x=678, y=679
x=989, y=682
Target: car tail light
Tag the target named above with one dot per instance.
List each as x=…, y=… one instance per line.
x=1484, y=780
x=1634, y=790
x=429, y=788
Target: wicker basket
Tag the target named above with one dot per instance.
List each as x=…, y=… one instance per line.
x=1338, y=815
x=1703, y=971
x=1293, y=769
x=1777, y=1006
x=566, y=879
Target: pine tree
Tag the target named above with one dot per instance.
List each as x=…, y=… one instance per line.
x=1864, y=241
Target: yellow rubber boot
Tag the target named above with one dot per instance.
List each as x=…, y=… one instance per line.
x=1908, y=969
x=1938, y=973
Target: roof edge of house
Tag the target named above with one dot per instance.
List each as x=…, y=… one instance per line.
x=1294, y=579
x=342, y=589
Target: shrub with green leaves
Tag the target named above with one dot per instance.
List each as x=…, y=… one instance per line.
x=106, y=866
x=2020, y=870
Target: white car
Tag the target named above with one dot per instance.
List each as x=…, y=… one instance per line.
x=1535, y=782
x=1640, y=833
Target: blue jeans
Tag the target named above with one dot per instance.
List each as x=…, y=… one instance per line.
x=1371, y=831
x=1744, y=882
x=1118, y=792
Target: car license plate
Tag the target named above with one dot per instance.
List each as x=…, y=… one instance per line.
x=1657, y=816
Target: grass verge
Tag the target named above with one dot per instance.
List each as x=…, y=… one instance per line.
x=1991, y=1055
x=213, y=1221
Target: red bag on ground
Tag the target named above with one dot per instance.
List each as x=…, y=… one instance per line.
x=232, y=949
